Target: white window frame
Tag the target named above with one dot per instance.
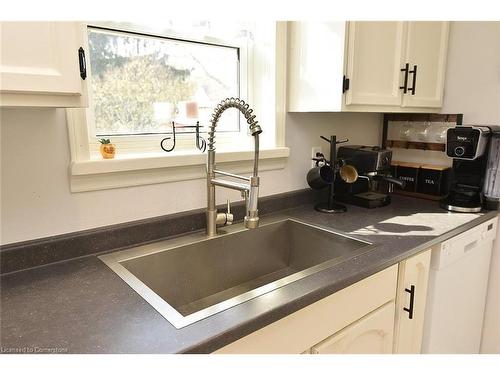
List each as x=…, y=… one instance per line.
x=132, y=168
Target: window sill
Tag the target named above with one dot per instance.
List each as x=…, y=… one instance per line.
x=103, y=174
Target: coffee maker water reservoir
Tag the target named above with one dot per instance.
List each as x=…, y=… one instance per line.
x=491, y=187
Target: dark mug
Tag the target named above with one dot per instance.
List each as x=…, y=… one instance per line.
x=320, y=177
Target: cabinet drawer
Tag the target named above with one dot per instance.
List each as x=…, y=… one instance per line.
x=372, y=334
x=301, y=330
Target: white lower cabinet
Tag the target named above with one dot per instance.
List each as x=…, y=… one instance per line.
x=381, y=314
x=413, y=277
x=372, y=334
x=305, y=328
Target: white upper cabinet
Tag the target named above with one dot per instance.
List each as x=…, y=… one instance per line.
x=374, y=58
x=396, y=66
x=316, y=66
x=378, y=61
x=42, y=64
x=426, y=49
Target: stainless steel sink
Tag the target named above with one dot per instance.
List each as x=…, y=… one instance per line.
x=192, y=277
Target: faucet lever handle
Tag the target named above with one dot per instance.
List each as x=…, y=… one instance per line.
x=229, y=215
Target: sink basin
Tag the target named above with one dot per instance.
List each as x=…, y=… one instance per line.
x=189, y=278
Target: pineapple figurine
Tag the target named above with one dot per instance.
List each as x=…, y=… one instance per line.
x=108, y=149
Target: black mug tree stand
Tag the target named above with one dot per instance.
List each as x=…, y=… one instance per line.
x=332, y=207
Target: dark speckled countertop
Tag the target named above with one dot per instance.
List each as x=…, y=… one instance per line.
x=81, y=306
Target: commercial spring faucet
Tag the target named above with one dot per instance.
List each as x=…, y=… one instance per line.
x=248, y=189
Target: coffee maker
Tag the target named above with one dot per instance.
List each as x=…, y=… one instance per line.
x=374, y=184
x=476, y=168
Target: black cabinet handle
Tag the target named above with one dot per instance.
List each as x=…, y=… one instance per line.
x=345, y=84
x=83, y=63
x=406, y=69
x=414, y=72
x=412, y=300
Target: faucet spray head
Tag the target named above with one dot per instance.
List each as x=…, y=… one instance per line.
x=255, y=129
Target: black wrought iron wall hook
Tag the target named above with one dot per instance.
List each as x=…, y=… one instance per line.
x=201, y=143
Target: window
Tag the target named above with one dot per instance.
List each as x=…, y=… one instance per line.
x=141, y=84
x=142, y=78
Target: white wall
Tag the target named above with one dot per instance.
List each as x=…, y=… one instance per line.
x=473, y=88
x=35, y=197
x=473, y=72
x=36, y=200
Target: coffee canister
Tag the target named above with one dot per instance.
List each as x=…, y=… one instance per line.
x=407, y=172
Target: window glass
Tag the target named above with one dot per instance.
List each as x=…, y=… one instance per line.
x=140, y=84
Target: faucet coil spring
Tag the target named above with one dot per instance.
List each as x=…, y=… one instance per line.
x=243, y=107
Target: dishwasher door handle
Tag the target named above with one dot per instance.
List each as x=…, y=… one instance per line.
x=412, y=301
x=470, y=246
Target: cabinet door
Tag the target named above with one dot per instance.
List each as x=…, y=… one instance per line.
x=426, y=48
x=372, y=334
x=413, y=277
x=40, y=61
x=374, y=62
x=316, y=66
